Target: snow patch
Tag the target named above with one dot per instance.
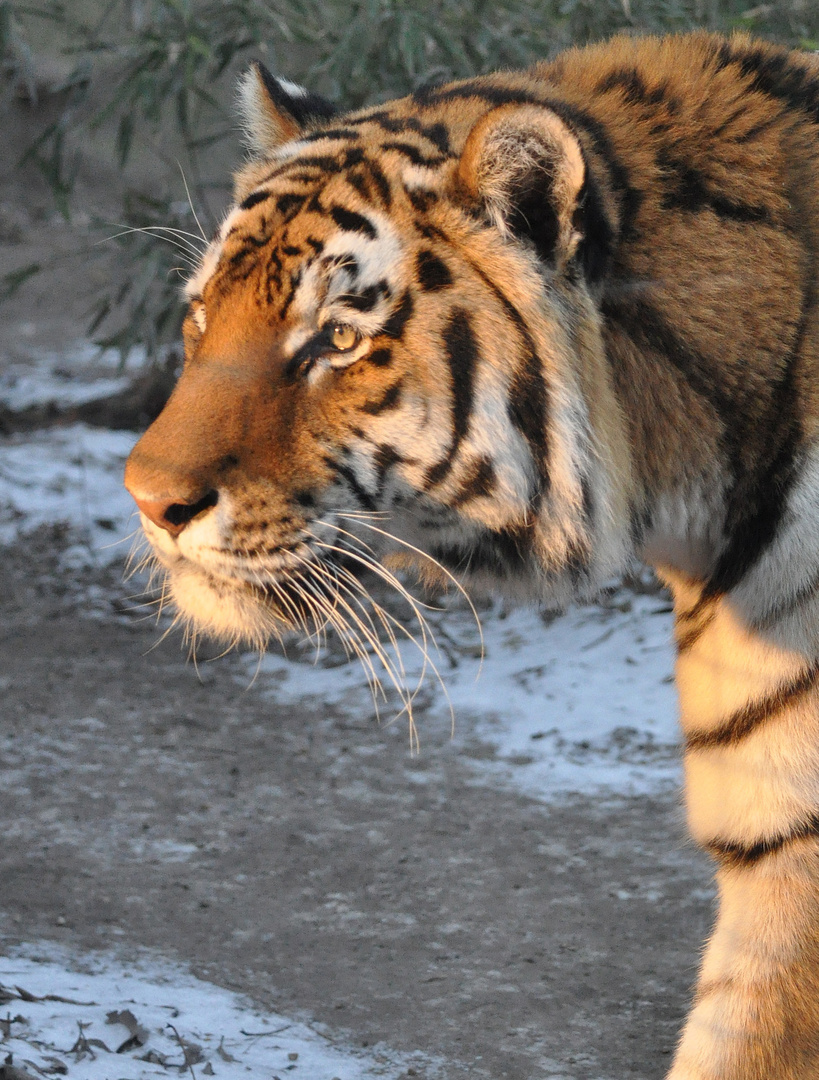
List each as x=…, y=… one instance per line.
x=78, y=374
x=583, y=702
x=71, y=476
x=99, y=1018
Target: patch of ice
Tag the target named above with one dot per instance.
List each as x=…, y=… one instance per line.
x=70, y=475
x=79, y=373
x=583, y=703
x=152, y=1019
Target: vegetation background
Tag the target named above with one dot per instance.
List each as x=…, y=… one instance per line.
x=118, y=113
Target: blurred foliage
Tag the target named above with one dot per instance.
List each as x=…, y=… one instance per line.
x=147, y=72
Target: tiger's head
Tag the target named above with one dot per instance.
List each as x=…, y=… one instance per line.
x=392, y=351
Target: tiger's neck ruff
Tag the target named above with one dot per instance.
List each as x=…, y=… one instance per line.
x=519, y=330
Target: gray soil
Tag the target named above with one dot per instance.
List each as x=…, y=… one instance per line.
x=313, y=863
x=307, y=859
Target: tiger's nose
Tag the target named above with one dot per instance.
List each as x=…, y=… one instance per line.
x=174, y=516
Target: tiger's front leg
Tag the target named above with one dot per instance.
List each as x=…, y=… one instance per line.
x=750, y=716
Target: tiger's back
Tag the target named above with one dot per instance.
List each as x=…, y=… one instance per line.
x=519, y=330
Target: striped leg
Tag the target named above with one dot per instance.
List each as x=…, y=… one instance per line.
x=750, y=715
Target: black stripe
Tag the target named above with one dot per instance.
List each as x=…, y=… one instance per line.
x=696, y=622
x=649, y=331
x=359, y=183
x=527, y=410
x=288, y=205
x=275, y=267
x=589, y=501
x=389, y=400
x=312, y=179
x=366, y=299
x=362, y=182
x=353, y=156
x=634, y=90
x=758, y=502
x=687, y=639
x=295, y=281
x=385, y=458
x=758, y=129
x=381, y=182
x=476, y=88
x=249, y=250
x=774, y=72
x=433, y=272
x=380, y=357
x=640, y=518
x=578, y=560
x=350, y=221
x=596, y=247
x=462, y=355
x=478, y=482
x=416, y=156
x=436, y=133
x=746, y=720
x=759, y=449
x=254, y=199
x=331, y=133
x=365, y=499
x=394, y=326
x=421, y=199
x=737, y=856
x=687, y=189
x=326, y=163
x=503, y=553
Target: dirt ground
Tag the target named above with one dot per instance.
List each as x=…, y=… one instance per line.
x=316, y=865
x=308, y=860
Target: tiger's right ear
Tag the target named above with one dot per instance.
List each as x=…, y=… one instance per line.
x=525, y=166
x=274, y=111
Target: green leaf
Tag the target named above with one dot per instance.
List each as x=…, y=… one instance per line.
x=15, y=279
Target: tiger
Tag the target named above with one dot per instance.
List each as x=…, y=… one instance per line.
x=519, y=331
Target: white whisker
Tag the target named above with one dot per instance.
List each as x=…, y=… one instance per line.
x=450, y=576
x=190, y=204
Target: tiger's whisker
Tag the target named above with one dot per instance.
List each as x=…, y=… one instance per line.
x=450, y=576
x=190, y=203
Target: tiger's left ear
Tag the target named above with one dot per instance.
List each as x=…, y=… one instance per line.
x=526, y=167
x=274, y=111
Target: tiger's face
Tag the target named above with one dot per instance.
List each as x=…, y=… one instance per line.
x=381, y=364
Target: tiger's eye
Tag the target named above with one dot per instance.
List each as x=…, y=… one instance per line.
x=343, y=337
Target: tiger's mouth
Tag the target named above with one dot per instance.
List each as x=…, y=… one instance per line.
x=251, y=598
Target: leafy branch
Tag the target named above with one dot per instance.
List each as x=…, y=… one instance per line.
x=154, y=74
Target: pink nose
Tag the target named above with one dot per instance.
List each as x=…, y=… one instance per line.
x=174, y=516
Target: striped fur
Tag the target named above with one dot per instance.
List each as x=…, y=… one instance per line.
x=530, y=326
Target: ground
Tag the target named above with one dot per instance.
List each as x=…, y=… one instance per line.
x=517, y=901
x=312, y=863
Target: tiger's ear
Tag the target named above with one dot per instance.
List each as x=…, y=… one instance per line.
x=526, y=168
x=274, y=111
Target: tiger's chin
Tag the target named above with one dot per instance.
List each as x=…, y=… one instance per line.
x=233, y=612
